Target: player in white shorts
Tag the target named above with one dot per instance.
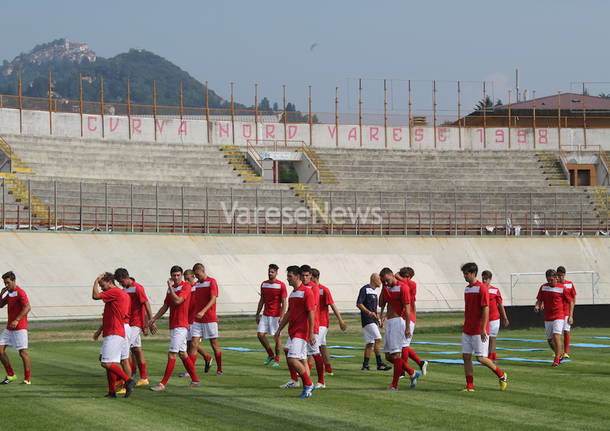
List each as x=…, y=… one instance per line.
x=16, y=332
x=497, y=313
x=273, y=296
x=568, y=309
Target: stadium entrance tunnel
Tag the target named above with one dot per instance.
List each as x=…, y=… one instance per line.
x=267, y=165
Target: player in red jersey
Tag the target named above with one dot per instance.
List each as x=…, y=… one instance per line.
x=313, y=349
x=300, y=318
x=16, y=332
x=326, y=300
x=551, y=298
x=568, y=309
x=206, y=320
x=406, y=275
x=476, y=327
x=496, y=311
x=116, y=309
x=273, y=298
x=395, y=294
x=177, y=301
x=189, y=277
x=140, y=314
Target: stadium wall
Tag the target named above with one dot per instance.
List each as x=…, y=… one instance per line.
x=197, y=131
x=57, y=269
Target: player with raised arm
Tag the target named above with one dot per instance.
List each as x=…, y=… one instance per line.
x=475, y=339
x=568, y=309
x=406, y=275
x=140, y=314
x=395, y=294
x=206, y=320
x=116, y=310
x=177, y=301
x=300, y=318
x=551, y=297
x=326, y=300
x=367, y=304
x=16, y=332
x=273, y=296
x=496, y=312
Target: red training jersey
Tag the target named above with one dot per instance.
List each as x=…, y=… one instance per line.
x=326, y=300
x=315, y=289
x=476, y=296
x=273, y=292
x=553, y=298
x=300, y=302
x=397, y=297
x=116, y=310
x=193, y=303
x=205, y=290
x=571, y=292
x=495, y=299
x=412, y=294
x=138, y=298
x=178, y=314
x=16, y=300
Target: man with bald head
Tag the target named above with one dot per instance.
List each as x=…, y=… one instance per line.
x=367, y=304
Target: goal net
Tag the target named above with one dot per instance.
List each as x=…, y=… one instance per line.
x=524, y=287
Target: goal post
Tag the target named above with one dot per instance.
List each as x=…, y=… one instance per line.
x=524, y=286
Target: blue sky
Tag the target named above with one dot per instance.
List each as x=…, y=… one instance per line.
x=552, y=43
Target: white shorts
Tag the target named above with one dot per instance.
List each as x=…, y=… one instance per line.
x=135, y=338
x=112, y=347
x=204, y=330
x=553, y=327
x=494, y=328
x=17, y=339
x=314, y=349
x=268, y=325
x=472, y=345
x=566, y=326
x=177, y=340
x=126, y=343
x=395, y=338
x=322, y=336
x=412, y=329
x=297, y=348
x=371, y=333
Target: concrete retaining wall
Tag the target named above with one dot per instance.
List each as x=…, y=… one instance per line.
x=57, y=269
x=195, y=131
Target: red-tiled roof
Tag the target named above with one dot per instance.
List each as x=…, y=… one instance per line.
x=565, y=101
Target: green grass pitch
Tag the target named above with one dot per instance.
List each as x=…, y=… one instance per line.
x=68, y=387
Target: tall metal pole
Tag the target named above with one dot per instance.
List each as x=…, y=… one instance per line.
x=285, y=120
x=360, y=110
x=337, y=117
x=20, y=101
x=129, y=110
x=232, y=115
x=181, y=99
x=559, y=118
x=484, y=116
x=584, y=116
x=385, y=113
x=534, y=123
x=434, y=110
x=154, y=107
x=256, y=113
x=102, y=103
x=509, y=118
x=459, y=114
x=80, y=101
x=410, y=115
x=309, y=116
x=50, y=96
x=207, y=111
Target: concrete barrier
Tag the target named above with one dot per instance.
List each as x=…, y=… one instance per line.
x=57, y=269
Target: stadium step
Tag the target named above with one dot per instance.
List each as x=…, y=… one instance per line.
x=237, y=159
x=325, y=174
x=600, y=198
x=551, y=168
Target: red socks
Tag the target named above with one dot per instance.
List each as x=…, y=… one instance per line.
x=328, y=368
x=193, y=358
x=218, y=356
x=169, y=369
x=27, y=373
x=492, y=356
x=190, y=368
x=306, y=379
x=566, y=342
x=9, y=370
x=142, y=368
x=207, y=357
x=470, y=382
x=319, y=367
x=398, y=368
x=111, y=381
x=293, y=373
x=499, y=372
x=118, y=371
x=408, y=352
x=276, y=358
x=270, y=353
